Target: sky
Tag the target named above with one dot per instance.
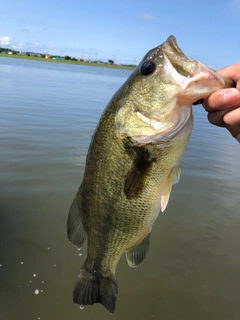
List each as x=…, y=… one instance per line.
x=123, y=31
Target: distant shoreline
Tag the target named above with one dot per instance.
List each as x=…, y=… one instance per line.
x=81, y=63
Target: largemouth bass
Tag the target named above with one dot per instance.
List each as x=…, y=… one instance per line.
x=132, y=163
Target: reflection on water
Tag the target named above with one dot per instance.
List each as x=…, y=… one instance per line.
x=48, y=114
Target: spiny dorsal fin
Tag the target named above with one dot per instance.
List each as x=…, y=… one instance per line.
x=172, y=178
x=139, y=174
x=75, y=228
x=137, y=254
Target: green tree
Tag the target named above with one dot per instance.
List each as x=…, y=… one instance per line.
x=110, y=61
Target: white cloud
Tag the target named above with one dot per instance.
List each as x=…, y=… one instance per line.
x=17, y=46
x=4, y=40
x=28, y=46
x=148, y=16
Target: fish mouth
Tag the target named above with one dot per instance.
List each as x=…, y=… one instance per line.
x=187, y=68
x=180, y=62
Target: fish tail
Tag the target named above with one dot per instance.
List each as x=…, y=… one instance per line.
x=89, y=288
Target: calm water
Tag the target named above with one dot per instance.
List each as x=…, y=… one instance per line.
x=48, y=112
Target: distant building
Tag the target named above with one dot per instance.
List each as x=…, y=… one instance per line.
x=47, y=56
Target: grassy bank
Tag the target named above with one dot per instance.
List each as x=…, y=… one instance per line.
x=82, y=63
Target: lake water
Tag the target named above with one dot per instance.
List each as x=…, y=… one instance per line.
x=48, y=112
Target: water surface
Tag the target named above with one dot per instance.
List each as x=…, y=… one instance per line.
x=48, y=112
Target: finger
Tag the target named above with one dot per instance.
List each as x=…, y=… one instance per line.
x=226, y=117
x=238, y=137
x=222, y=99
x=216, y=118
x=234, y=134
x=232, y=121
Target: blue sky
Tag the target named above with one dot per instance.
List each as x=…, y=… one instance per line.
x=123, y=30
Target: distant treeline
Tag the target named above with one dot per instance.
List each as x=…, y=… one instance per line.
x=48, y=56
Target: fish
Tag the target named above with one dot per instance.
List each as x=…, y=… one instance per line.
x=133, y=161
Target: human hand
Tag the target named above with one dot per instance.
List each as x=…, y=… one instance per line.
x=223, y=106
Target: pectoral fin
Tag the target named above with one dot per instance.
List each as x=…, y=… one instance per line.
x=75, y=229
x=137, y=254
x=138, y=176
x=173, y=178
x=176, y=173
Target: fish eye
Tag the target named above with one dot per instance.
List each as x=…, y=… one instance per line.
x=147, y=68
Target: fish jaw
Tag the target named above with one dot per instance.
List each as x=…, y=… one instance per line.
x=203, y=83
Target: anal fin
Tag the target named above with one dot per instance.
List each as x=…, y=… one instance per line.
x=75, y=229
x=137, y=254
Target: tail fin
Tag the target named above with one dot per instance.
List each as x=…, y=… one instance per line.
x=90, y=289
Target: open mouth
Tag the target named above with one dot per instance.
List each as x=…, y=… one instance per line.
x=185, y=66
x=179, y=61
